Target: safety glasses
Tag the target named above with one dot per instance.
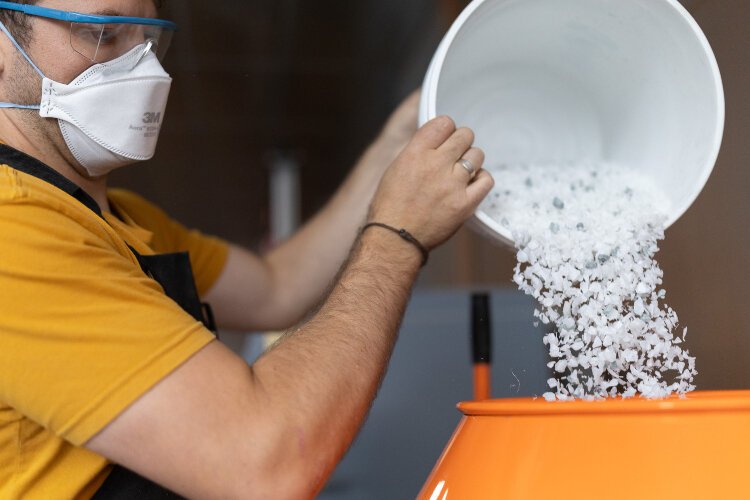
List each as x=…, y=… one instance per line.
x=105, y=38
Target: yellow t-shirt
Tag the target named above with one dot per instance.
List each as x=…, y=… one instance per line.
x=83, y=332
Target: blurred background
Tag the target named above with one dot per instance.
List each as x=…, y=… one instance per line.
x=282, y=96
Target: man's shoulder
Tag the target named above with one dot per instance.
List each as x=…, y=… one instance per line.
x=24, y=190
x=31, y=207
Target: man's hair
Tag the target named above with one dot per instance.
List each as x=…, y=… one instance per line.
x=18, y=23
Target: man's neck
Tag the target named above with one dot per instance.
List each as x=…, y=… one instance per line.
x=62, y=161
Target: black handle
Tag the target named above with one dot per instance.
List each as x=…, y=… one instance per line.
x=481, y=337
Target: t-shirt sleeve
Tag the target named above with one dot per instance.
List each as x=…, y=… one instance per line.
x=83, y=332
x=208, y=254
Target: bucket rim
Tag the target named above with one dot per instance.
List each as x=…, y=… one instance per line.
x=701, y=401
x=486, y=225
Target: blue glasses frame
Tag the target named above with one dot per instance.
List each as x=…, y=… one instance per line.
x=77, y=17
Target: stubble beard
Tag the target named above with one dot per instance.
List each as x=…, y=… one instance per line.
x=24, y=86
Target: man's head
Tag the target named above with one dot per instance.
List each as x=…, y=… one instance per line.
x=19, y=25
x=52, y=44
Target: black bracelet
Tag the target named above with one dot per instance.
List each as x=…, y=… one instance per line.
x=404, y=234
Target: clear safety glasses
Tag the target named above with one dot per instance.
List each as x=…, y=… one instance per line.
x=105, y=42
x=105, y=38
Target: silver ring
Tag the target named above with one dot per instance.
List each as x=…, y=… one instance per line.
x=468, y=166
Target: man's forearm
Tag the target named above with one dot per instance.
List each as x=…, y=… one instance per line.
x=331, y=368
x=278, y=290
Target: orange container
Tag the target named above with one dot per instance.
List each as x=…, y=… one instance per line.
x=691, y=448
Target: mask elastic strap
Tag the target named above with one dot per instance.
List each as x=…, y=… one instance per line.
x=26, y=56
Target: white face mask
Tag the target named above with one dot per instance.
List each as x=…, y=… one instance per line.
x=110, y=116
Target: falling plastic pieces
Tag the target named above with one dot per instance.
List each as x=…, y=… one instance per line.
x=586, y=237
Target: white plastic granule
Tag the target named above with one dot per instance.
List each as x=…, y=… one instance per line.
x=586, y=237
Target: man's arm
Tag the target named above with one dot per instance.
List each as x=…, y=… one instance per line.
x=219, y=428
x=275, y=291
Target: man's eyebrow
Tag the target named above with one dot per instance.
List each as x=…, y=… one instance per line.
x=109, y=13
x=106, y=12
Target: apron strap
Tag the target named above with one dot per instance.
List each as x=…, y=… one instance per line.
x=28, y=165
x=175, y=274
x=123, y=484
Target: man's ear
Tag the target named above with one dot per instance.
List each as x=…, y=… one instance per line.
x=3, y=54
x=7, y=52
x=7, y=56
x=5, y=63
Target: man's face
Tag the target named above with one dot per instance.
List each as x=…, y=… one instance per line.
x=51, y=50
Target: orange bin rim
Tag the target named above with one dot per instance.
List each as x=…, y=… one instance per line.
x=702, y=401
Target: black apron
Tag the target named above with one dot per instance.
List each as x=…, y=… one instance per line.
x=172, y=271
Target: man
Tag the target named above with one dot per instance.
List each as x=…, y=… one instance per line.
x=105, y=353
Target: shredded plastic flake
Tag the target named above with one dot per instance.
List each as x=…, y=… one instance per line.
x=586, y=237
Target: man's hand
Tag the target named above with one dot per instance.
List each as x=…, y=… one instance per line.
x=426, y=191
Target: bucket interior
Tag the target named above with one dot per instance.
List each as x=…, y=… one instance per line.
x=629, y=82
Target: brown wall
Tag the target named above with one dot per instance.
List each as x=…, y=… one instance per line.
x=311, y=78
x=706, y=255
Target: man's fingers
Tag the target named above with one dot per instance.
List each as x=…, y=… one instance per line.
x=479, y=188
x=457, y=144
x=434, y=133
x=475, y=159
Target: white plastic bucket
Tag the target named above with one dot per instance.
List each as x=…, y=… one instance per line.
x=632, y=82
